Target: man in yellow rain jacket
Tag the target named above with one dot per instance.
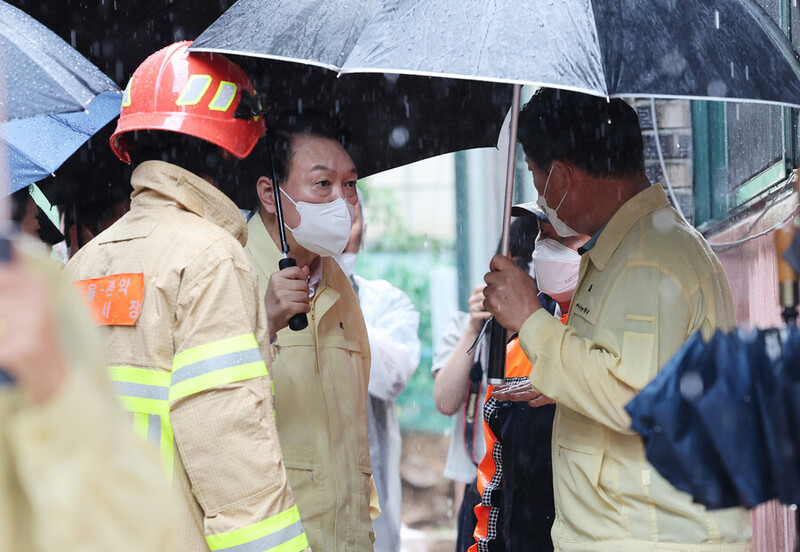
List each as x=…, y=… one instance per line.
x=171, y=283
x=72, y=476
x=647, y=281
x=321, y=373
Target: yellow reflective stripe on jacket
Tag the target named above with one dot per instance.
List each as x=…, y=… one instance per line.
x=145, y=393
x=280, y=533
x=213, y=364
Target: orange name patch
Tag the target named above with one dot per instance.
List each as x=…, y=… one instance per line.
x=115, y=300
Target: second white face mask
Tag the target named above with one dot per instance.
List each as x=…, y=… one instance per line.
x=557, y=268
x=324, y=228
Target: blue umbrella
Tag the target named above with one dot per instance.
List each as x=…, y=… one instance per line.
x=675, y=440
x=43, y=74
x=720, y=421
x=37, y=146
x=729, y=411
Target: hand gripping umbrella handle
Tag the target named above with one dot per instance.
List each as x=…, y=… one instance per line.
x=5, y=256
x=497, y=353
x=299, y=321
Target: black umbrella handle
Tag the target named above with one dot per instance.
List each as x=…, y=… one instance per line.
x=5, y=256
x=299, y=321
x=498, y=338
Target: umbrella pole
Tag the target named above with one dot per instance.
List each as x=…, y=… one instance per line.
x=299, y=320
x=498, y=336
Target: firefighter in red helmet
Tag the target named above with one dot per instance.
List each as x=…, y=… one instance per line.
x=172, y=287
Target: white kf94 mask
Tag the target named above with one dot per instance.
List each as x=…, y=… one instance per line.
x=324, y=228
x=557, y=268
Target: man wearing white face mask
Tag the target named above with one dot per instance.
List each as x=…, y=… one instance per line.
x=320, y=373
x=647, y=281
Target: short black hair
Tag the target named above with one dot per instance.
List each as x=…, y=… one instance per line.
x=234, y=177
x=599, y=136
x=308, y=123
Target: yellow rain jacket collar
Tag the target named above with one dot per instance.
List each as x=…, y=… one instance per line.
x=189, y=192
x=639, y=206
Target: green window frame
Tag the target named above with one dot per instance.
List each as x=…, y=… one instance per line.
x=714, y=203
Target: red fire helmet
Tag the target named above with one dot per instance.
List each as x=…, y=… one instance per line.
x=194, y=93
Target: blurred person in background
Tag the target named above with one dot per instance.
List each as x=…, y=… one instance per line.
x=32, y=219
x=185, y=325
x=515, y=477
x=72, y=476
x=321, y=372
x=392, y=326
x=459, y=387
x=85, y=220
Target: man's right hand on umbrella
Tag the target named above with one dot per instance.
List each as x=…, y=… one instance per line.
x=287, y=295
x=510, y=295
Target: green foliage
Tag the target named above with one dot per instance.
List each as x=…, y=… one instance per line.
x=406, y=260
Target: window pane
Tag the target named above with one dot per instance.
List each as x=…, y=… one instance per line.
x=754, y=140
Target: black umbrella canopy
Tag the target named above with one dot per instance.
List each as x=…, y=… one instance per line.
x=711, y=49
x=117, y=35
x=43, y=75
x=390, y=119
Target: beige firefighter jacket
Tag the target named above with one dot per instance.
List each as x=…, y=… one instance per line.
x=72, y=476
x=321, y=376
x=190, y=371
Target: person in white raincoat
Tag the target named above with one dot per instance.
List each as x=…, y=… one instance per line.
x=392, y=324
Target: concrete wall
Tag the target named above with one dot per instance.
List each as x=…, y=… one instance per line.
x=752, y=273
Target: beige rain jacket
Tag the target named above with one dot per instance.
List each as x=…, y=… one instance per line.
x=648, y=283
x=321, y=376
x=72, y=475
x=190, y=370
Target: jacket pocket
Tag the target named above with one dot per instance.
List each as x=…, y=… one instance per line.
x=370, y=502
x=306, y=477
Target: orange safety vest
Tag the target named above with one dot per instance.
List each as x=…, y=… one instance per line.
x=517, y=367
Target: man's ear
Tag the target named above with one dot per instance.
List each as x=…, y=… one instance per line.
x=563, y=175
x=266, y=196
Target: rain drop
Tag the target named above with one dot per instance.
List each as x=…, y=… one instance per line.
x=717, y=89
x=716, y=18
x=399, y=137
x=691, y=386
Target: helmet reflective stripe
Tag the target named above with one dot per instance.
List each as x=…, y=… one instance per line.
x=195, y=89
x=224, y=97
x=126, y=95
